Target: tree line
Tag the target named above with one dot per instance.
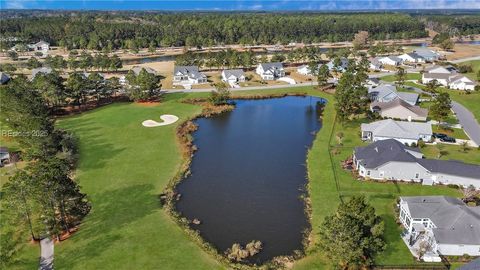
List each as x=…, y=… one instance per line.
x=41, y=200
x=106, y=31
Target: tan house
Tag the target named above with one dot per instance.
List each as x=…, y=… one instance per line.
x=399, y=109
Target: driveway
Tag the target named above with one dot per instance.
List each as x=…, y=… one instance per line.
x=467, y=120
x=46, y=254
x=466, y=59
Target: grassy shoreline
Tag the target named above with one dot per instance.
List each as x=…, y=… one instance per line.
x=123, y=167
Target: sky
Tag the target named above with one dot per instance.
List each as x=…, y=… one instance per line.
x=231, y=5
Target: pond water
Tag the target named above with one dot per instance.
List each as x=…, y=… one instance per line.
x=472, y=42
x=249, y=174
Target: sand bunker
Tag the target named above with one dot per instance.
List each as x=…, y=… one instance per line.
x=167, y=120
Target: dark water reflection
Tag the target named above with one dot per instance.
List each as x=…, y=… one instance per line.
x=249, y=174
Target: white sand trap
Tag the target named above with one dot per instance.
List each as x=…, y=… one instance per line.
x=167, y=120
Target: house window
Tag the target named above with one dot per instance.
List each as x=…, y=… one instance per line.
x=416, y=175
x=368, y=172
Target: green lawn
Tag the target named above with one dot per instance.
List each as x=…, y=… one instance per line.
x=123, y=167
x=409, y=76
x=457, y=133
x=475, y=66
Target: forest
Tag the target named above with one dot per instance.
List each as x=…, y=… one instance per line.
x=454, y=25
x=131, y=30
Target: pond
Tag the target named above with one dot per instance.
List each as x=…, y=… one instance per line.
x=471, y=42
x=249, y=175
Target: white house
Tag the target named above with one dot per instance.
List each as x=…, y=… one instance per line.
x=451, y=80
x=343, y=65
x=411, y=58
x=390, y=60
x=375, y=64
x=427, y=54
x=391, y=160
x=404, y=132
x=270, y=71
x=233, y=76
x=304, y=70
x=42, y=46
x=388, y=92
x=442, y=225
x=188, y=75
x=441, y=69
x=136, y=70
x=42, y=70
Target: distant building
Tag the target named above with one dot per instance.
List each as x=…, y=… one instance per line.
x=372, y=82
x=442, y=225
x=412, y=58
x=448, y=77
x=4, y=156
x=42, y=46
x=341, y=68
x=270, y=71
x=4, y=78
x=399, y=109
x=390, y=60
x=427, y=54
x=375, y=64
x=233, y=76
x=304, y=70
x=404, y=132
x=188, y=75
x=42, y=70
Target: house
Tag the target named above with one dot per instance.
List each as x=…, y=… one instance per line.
x=461, y=82
x=441, y=69
x=4, y=78
x=375, y=64
x=388, y=92
x=394, y=161
x=136, y=70
x=341, y=68
x=304, y=70
x=372, y=82
x=390, y=60
x=42, y=46
x=188, y=75
x=399, y=109
x=440, y=224
x=411, y=58
x=233, y=76
x=4, y=156
x=451, y=80
x=404, y=132
x=270, y=71
x=427, y=54
x=42, y=70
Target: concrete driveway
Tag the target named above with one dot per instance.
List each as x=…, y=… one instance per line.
x=467, y=120
x=46, y=254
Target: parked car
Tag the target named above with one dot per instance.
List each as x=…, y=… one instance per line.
x=439, y=135
x=448, y=139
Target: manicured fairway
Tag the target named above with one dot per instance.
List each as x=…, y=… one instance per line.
x=124, y=166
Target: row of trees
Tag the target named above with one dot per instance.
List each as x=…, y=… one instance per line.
x=143, y=30
x=84, y=61
x=41, y=200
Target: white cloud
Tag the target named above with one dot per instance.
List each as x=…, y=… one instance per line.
x=15, y=4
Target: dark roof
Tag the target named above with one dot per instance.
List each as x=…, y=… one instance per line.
x=456, y=223
x=399, y=102
x=451, y=167
x=381, y=152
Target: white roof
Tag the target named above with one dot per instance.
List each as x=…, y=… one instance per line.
x=398, y=129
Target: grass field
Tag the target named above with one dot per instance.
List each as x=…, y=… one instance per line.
x=475, y=66
x=123, y=167
x=409, y=76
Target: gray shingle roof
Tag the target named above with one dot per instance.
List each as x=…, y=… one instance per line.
x=237, y=73
x=398, y=129
x=381, y=152
x=137, y=69
x=4, y=77
x=452, y=167
x=421, y=112
x=273, y=66
x=190, y=71
x=43, y=70
x=456, y=223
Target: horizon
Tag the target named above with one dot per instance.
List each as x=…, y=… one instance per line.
x=245, y=6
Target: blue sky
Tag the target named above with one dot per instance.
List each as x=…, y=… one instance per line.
x=269, y=5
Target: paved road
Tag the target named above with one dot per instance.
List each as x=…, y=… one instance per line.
x=466, y=59
x=46, y=254
x=467, y=120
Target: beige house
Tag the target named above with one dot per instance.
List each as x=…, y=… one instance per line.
x=399, y=109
